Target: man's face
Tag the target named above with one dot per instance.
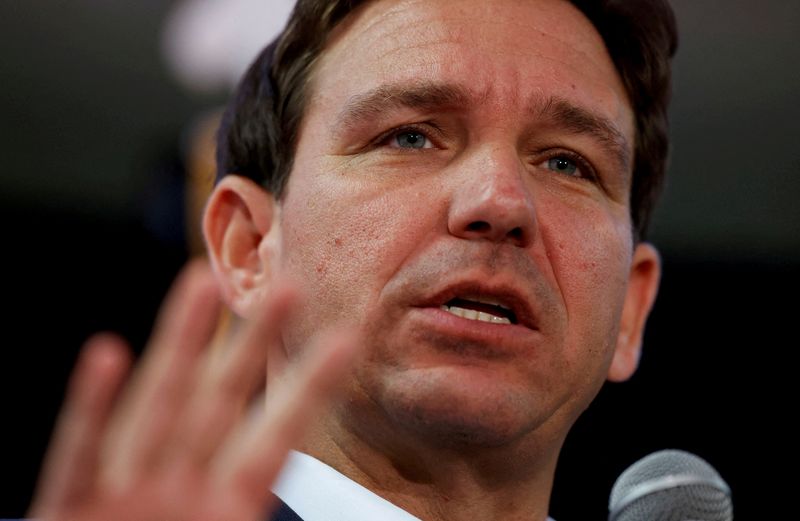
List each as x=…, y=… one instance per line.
x=460, y=194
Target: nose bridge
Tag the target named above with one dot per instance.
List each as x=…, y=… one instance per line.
x=493, y=202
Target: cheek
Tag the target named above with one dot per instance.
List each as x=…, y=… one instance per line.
x=344, y=240
x=590, y=253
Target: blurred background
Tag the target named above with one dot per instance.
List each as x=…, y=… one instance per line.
x=103, y=104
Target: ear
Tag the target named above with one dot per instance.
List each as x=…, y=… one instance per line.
x=242, y=233
x=641, y=294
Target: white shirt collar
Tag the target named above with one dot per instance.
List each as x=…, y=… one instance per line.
x=317, y=492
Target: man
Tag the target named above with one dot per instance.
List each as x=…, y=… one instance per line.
x=460, y=188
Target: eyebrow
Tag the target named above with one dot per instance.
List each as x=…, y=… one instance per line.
x=578, y=120
x=560, y=112
x=423, y=96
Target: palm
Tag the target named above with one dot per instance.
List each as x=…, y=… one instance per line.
x=182, y=442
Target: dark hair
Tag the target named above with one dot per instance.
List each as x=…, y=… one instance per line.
x=258, y=133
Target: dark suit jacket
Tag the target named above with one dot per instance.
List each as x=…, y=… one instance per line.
x=284, y=513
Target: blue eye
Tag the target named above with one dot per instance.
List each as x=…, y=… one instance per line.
x=411, y=139
x=562, y=165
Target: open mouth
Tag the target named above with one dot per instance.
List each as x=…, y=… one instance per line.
x=481, y=310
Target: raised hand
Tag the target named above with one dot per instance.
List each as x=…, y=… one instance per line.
x=179, y=440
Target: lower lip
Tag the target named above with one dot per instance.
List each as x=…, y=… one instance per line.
x=502, y=336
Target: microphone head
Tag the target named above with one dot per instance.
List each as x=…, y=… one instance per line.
x=670, y=485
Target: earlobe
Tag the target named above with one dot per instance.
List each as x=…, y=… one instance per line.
x=642, y=289
x=242, y=237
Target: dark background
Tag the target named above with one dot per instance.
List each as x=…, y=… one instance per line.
x=91, y=126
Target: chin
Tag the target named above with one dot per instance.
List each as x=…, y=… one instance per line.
x=461, y=416
x=453, y=431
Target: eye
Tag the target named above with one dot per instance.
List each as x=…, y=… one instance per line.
x=410, y=139
x=569, y=164
x=563, y=165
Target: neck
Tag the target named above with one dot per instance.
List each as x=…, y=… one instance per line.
x=435, y=482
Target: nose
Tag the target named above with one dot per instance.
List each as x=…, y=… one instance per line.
x=492, y=201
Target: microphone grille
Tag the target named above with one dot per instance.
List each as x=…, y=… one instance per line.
x=670, y=485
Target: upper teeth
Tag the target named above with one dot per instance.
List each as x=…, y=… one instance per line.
x=472, y=314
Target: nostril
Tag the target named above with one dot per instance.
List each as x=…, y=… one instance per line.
x=516, y=233
x=479, y=226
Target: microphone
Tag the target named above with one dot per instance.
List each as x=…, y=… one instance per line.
x=670, y=485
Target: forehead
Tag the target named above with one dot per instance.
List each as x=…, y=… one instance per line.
x=519, y=50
